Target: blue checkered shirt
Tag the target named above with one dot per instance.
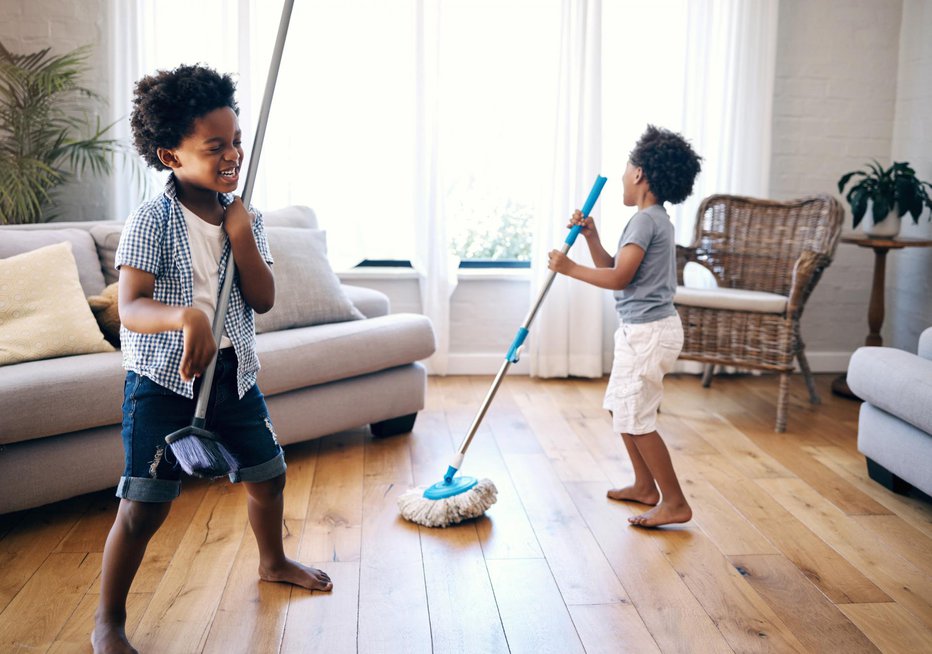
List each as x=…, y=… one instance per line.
x=155, y=240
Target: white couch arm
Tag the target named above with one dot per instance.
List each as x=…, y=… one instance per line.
x=925, y=344
x=895, y=381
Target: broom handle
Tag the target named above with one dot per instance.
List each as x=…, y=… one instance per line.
x=200, y=411
x=513, y=355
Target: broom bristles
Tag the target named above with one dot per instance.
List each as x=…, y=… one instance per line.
x=449, y=510
x=203, y=457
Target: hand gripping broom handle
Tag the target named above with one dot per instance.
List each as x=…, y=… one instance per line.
x=200, y=411
x=513, y=352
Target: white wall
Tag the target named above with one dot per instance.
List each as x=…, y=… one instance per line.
x=909, y=284
x=27, y=26
x=853, y=83
x=833, y=111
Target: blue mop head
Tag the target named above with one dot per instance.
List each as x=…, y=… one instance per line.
x=200, y=453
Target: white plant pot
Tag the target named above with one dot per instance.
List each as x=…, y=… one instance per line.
x=889, y=227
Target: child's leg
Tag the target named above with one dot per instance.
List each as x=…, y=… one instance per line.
x=673, y=507
x=266, y=505
x=135, y=524
x=643, y=490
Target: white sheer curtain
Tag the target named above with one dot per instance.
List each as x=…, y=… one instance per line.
x=728, y=98
x=435, y=266
x=567, y=336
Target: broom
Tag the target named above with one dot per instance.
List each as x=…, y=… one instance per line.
x=199, y=452
x=454, y=499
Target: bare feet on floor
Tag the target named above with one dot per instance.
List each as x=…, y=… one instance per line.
x=649, y=495
x=109, y=638
x=293, y=572
x=663, y=514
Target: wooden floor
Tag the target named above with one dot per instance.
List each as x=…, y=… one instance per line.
x=792, y=548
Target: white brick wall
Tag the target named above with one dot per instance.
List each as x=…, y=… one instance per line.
x=909, y=288
x=834, y=105
x=31, y=25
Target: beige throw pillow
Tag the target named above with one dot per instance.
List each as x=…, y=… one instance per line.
x=43, y=311
x=307, y=291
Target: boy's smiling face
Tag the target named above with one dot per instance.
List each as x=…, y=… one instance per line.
x=209, y=158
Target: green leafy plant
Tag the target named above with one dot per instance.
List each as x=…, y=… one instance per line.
x=46, y=134
x=896, y=187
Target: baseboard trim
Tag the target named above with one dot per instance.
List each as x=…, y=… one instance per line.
x=489, y=364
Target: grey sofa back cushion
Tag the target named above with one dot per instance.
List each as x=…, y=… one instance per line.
x=17, y=241
x=107, y=237
x=307, y=292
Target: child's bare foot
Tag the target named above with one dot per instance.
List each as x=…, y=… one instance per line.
x=663, y=514
x=293, y=572
x=110, y=638
x=649, y=495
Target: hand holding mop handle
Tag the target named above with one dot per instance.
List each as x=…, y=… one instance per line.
x=513, y=352
x=217, y=461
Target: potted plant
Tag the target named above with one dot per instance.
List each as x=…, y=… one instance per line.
x=46, y=134
x=887, y=195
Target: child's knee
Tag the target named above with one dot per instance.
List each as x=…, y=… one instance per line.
x=267, y=490
x=142, y=519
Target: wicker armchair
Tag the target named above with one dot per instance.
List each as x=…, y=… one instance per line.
x=767, y=256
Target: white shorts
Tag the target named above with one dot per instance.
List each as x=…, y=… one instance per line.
x=644, y=353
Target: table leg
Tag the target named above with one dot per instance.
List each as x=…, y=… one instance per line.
x=874, y=318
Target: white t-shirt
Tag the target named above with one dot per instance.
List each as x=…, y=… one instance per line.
x=206, y=243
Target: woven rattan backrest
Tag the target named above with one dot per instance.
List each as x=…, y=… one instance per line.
x=753, y=244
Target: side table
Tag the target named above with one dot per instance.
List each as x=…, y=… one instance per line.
x=880, y=246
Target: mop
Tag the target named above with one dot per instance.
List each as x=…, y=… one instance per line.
x=200, y=452
x=455, y=499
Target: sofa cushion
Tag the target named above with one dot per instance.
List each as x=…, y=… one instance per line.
x=925, y=344
x=54, y=396
x=43, y=311
x=371, y=303
x=307, y=292
x=303, y=357
x=896, y=381
x=734, y=299
x=106, y=236
x=293, y=216
x=83, y=249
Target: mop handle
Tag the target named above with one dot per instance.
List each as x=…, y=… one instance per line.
x=512, y=355
x=520, y=337
x=200, y=411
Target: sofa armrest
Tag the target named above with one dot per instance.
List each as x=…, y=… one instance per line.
x=925, y=344
x=895, y=381
x=370, y=302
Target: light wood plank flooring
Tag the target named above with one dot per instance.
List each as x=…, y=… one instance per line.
x=792, y=548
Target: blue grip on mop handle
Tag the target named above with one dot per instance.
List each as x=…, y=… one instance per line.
x=587, y=207
x=515, y=344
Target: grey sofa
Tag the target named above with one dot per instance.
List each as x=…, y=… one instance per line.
x=60, y=417
x=895, y=423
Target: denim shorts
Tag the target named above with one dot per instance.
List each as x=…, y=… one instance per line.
x=151, y=412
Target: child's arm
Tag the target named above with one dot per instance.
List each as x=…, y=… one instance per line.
x=140, y=313
x=600, y=256
x=616, y=278
x=255, y=277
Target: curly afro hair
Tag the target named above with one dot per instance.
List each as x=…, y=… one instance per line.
x=166, y=104
x=669, y=164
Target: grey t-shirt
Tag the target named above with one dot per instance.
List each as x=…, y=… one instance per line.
x=649, y=296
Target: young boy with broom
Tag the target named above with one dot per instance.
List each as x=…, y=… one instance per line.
x=171, y=254
x=642, y=273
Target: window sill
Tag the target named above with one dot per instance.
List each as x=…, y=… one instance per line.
x=463, y=274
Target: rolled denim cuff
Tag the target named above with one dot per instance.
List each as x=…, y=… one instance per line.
x=143, y=489
x=262, y=472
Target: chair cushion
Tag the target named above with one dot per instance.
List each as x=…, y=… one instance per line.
x=732, y=299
